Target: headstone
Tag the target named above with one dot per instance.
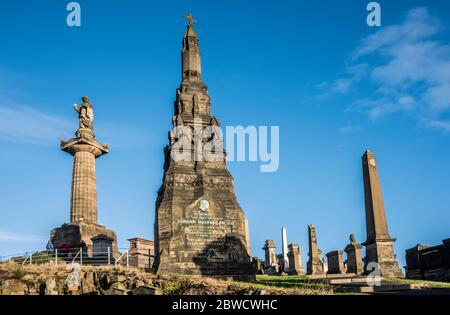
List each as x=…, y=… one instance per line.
x=335, y=262
x=271, y=260
x=354, y=259
x=295, y=260
x=379, y=244
x=258, y=266
x=200, y=227
x=102, y=244
x=315, y=265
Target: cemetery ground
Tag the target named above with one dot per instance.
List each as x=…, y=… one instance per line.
x=51, y=279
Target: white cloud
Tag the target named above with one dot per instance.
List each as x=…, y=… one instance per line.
x=23, y=124
x=14, y=237
x=349, y=129
x=407, y=68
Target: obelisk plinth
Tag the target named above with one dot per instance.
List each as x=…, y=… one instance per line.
x=83, y=202
x=379, y=244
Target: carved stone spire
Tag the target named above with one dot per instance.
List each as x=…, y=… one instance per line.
x=200, y=229
x=192, y=68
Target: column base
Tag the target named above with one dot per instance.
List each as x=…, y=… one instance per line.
x=71, y=234
x=382, y=253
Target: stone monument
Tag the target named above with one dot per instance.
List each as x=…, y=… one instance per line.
x=83, y=203
x=284, y=249
x=335, y=262
x=271, y=260
x=354, y=258
x=379, y=244
x=200, y=228
x=315, y=265
x=295, y=260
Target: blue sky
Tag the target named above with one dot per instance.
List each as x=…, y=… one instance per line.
x=334, y=86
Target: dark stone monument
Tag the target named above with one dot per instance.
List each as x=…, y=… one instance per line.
x=315, y=265
x=429, y=263
x=354, y=258
x=335, y=262
x=379, y=244
x=295, y=260
x=102, y=245
x=200, y=228
x=271, y=266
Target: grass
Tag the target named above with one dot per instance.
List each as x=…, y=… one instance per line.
x=423, y=283
x=300, y=283
x=288, y=281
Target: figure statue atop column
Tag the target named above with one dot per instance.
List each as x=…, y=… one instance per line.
x=86, y=117
x=85, y=149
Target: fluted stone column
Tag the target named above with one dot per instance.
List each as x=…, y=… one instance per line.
x=83, y=205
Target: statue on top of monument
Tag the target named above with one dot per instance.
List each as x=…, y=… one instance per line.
x=190, y=19
x=85, y=113
x=352, y=239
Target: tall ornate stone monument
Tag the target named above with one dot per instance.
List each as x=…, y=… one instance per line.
x=315, y=265
x=379, y=244
x=199, y=226
x=83, y=203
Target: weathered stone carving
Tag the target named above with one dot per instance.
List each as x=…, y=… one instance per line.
x=335, y=262
x=199, y=226
x=271, y=266
x=315, y=265
x=354, y=260
x=295, y=260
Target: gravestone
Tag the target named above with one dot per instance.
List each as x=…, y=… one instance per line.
x=271, y=259
x=354, y=258
x=295, y=260
x=102, y=244
x=315, y=264
x=335, y=262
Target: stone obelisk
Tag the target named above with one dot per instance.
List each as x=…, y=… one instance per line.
x=379, y=244
x=83, y=202
x=284, y=250
x=200, y=229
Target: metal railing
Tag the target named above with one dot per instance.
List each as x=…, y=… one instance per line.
x=71, y=255
x=121, y=257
